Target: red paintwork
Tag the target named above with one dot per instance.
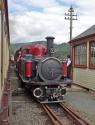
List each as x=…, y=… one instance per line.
x=39, y=51
x=64, y=69
x=28, y=69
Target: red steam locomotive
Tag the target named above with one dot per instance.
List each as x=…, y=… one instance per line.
x=41, y=72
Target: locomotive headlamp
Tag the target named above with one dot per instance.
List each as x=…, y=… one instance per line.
x=45, y=87
x=38, y=92
x=63, y=91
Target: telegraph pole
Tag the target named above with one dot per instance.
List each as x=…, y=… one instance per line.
x=71, y=16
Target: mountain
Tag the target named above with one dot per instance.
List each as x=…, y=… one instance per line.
x=61, y=50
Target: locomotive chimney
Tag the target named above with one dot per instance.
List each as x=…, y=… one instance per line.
x=50, y=45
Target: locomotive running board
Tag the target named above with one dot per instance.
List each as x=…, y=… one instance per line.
x=43, y=102
x=46, y=101
x=64, y=82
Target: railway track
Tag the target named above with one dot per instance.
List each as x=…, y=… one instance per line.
x=73, y=118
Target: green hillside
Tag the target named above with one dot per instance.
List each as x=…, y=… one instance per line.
x=61, y=50
x=16, y=46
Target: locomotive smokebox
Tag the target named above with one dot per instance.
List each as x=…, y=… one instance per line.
x=50, y=45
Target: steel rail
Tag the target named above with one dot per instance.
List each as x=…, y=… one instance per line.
x=75, y=117
x=55, y=120
x=69, y=112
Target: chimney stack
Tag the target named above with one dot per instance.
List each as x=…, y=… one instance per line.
x=50, y=45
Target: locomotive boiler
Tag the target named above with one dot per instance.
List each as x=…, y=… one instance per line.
x=43, y=74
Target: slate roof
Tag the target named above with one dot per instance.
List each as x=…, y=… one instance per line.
x=88, y=32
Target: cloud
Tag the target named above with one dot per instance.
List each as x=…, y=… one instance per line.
x=42, y=3
x=27, y=24
x=35, y=26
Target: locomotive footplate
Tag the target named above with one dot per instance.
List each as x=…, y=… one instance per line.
x=31, y=82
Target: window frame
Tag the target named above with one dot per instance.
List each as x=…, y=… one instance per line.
x=91, y=66
x=80, y=65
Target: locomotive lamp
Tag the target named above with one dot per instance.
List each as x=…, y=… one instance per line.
x=38, y=92
x=63, y=91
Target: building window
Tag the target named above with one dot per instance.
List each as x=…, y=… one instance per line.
x=92, y=54
x=81, y=55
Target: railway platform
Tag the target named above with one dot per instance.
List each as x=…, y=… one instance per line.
x=83, y=102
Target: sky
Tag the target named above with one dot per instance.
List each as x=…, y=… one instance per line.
x=33, y=20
